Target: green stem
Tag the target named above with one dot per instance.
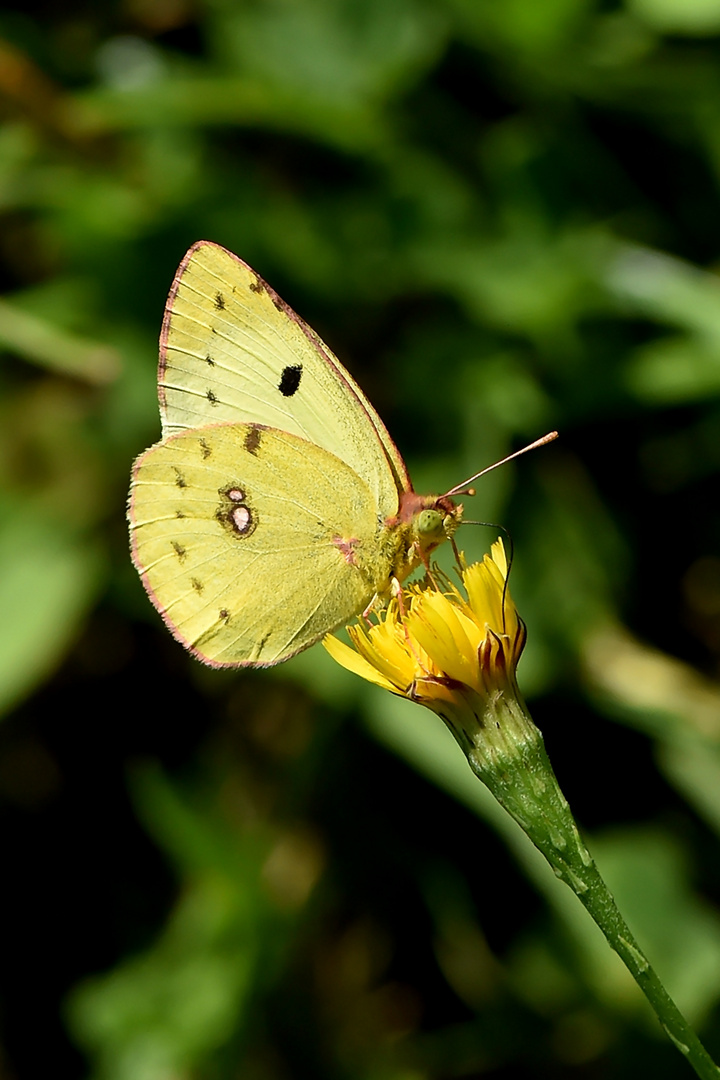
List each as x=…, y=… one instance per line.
x=506, y=751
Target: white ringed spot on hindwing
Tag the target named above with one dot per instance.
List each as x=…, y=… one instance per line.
x=235, y=513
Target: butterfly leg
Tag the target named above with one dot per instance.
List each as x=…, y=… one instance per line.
x=396, y=590
x=458, y=559
x=424, y=558
x=370, y=608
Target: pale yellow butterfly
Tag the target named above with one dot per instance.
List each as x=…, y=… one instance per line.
x=276, y=506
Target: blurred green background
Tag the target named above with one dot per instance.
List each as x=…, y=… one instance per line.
x=504, y=218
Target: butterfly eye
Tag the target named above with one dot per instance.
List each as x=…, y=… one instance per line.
x=429, y=526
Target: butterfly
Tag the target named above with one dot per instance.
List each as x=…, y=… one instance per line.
x=276, y=507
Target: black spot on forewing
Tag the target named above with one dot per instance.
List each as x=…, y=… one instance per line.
x=252, y=441
x=180, y=480
x=197, y=585
x=209, y=360
x=290, y=380
x=219, y=301
x=224, y=614
x=256, y=286
x=205, y=449
x=179, y=549
x=211, y=396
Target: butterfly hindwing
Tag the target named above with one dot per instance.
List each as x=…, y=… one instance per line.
x=232, y=351
x=252, y=542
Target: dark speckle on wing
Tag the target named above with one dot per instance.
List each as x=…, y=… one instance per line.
x=252, y=441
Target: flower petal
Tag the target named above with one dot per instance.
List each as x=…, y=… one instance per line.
x=353, y=661
x=488, y=596
x=384, y=646
x=436, y=646
x=433, y=621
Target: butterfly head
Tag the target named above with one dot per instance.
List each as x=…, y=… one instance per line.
x=430, y=519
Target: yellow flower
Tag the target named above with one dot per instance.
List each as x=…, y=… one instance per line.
x=443, y=646
x=455, y=651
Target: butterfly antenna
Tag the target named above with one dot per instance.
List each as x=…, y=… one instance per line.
x=510, y=553
x=510, y=557
x=463, y=489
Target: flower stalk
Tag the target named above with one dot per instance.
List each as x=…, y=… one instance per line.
x=518, y=772
x=456, y=652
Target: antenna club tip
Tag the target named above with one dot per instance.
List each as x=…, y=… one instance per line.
x=462, y=489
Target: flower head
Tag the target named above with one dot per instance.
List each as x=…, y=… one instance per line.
x=452, y=649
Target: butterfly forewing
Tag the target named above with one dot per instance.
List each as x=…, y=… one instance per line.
x=252, y=543
x=233, y=351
